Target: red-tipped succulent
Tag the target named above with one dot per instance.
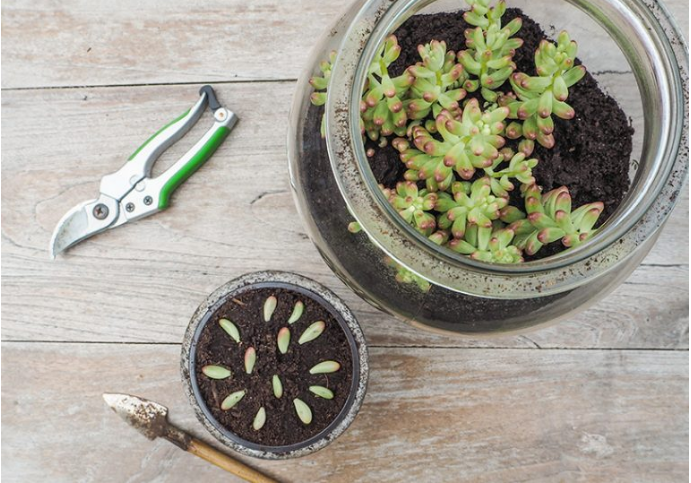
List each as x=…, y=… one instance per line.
x=457, y=147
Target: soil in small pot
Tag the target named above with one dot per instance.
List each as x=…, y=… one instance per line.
x=282, y=426
x=592, y=151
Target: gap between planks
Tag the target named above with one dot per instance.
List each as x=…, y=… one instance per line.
x=375, y=346
x=215, y=82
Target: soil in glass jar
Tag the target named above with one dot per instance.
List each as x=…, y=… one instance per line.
x=283, y=426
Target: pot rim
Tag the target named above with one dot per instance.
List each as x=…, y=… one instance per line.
x=309, y=288
x=658, y=41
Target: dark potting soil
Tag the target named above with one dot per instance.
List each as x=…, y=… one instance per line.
x=592, y=151
x=282, y=427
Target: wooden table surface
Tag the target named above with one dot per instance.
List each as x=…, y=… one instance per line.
x=602, y=397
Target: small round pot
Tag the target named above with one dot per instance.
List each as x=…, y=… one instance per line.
x=317, y=293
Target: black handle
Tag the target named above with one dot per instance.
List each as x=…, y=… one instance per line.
x=211, y=96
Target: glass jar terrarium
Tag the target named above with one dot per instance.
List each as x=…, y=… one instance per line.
x=334, y=183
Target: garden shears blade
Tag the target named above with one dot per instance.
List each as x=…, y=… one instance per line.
x=131, y=193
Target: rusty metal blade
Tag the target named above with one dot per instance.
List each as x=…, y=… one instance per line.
x=148, y=417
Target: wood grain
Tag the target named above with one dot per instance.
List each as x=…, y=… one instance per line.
x=141, y=283
x=81, y=42
x=430, y=415
x=588, y=407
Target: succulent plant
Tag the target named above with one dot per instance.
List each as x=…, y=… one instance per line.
x=320, y=85
x=469, y=144
x=437, y=82
x=490, y=48
x=546, y=94
x=471, y=204
x=550, y=219
x=519, y=168
x=440, y=140
x=488, y=245
x=403, y=275
x=382, y=109
x=414, y=205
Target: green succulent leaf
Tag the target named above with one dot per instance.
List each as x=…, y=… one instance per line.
x=216, y=372
x=230, y=329
x=303, y=411
x=232, y=399
x=322, y=392
x=298, y=309
x=259, y=419
x=312, y=332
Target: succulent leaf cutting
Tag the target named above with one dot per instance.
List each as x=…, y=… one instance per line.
x=232, y=399
x=269, y=307
x=216, y=372
x=297, y=312
x=230, y=328
x=302, y=409
x=467, y=137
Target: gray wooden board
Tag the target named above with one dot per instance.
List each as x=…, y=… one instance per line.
x=606, y=400
x=143, y=281
x=77, y=42
x=447, y=415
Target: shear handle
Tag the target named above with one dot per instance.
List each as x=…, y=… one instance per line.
x=138, y=167
x=153, y=194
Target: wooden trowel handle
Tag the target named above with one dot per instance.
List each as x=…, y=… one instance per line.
x=222, y=460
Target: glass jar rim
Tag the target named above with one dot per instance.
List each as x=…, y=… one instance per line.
x=655, y=46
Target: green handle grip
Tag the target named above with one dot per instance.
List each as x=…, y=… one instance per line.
x=191, y=166
x=153, y=136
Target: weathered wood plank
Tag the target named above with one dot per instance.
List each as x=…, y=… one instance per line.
x=142, y=282
x=430, y=415
x=78, y=42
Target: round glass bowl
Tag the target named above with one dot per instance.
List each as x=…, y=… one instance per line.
x=638, y=56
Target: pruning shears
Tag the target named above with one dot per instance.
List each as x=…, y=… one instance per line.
x=131, y=193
